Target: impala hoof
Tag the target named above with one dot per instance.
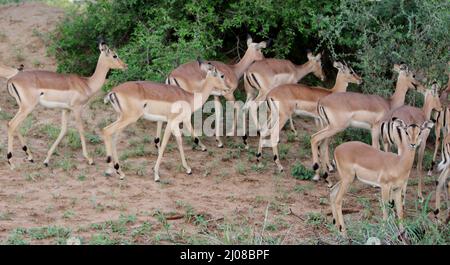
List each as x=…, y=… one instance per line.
x=31, y=160
x=316, y=177
x=46, y=164
x=189, y=171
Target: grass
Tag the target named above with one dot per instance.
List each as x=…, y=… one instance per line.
x=23, y=236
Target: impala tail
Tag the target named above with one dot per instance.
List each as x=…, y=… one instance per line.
x=111, y=97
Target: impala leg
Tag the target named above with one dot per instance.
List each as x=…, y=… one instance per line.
x=316, y=139
x=420, y=156
x=159, y=125
x=440, y=186
x=385, y=190
x=234, y=116
x=197, y=141
x=291, y=123
x=13, y=124
x=375, y=133
x=399, y=205
x=167, y=133
x=274, y=138
x=177, y=133
x=333, y=193
x=338, y=199
x=24, y=146
x=80, y=128
x=108, y=133
x=218, y=112
x=61, y=135
x=437, y=131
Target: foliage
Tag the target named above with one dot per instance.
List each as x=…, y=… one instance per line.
x=301, y=172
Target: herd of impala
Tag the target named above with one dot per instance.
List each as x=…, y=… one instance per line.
x=273, y=82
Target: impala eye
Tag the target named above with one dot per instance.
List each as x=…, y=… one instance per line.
x=115, y=56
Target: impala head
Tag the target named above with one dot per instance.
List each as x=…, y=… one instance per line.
x=408, y=78
x=432, y=95
x=412, y=132
x=110, y=57
x=316, y=63
x=254, y=49
x=347, y=73
x=214, y=78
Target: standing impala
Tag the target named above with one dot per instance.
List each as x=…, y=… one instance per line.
x=339, y=111
x=412, y=115
x=162, y=103
x=266, y=74
x=300, y=99
x=68, y=92
x=189, y=77
x=386, y=170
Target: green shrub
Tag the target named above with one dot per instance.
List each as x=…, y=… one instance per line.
x=301, y=172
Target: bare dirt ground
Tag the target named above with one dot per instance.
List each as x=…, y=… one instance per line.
x=228, y=199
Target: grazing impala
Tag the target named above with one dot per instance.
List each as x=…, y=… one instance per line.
x=159, y=102
x=443, y=183
x=386, y=170
x=68, y=92
x=266, y=74
x=301, y=99
x=412, y=115
x=339, y=111
x=190, y=78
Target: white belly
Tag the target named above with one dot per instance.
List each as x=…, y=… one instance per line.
x=305, y=113
x=53, y=104
x=154, y=117
x=359, y=124
x=372, y=183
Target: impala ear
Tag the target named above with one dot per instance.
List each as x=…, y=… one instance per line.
x=262, y=45
x=318, y=56
x=399, y=123
x=427, y=125
x=249, y=40
x=338, y=65
x=309, y=55
x=205, y=67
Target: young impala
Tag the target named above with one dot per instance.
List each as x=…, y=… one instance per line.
x=266, y=74
x=412, y=115
x=300, y=99
x=68, y=92
x=339, y=111
x=162, y=103
x=386, y=170
x=189, y=77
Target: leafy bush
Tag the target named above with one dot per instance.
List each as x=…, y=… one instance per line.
x=301, y=172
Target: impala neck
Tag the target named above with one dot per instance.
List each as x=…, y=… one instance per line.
x=340, y=85
x=199, y=99
x=243, y=64
x=398, y=98
x=428, y=105
x=406, y=159
x=97, y=80
x=302, y=70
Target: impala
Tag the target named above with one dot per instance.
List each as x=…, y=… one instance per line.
x=339, y=111
x=162, y=103
x=189, y=77
x=386, y=170
x=68, y=92
x=443, y=183
x=301, y=99
x=412, y=115
x=442, y=120
x=266, y=74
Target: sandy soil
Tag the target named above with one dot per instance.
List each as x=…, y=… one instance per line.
x=225, y=187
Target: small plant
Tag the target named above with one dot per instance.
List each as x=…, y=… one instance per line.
x=300, y=172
